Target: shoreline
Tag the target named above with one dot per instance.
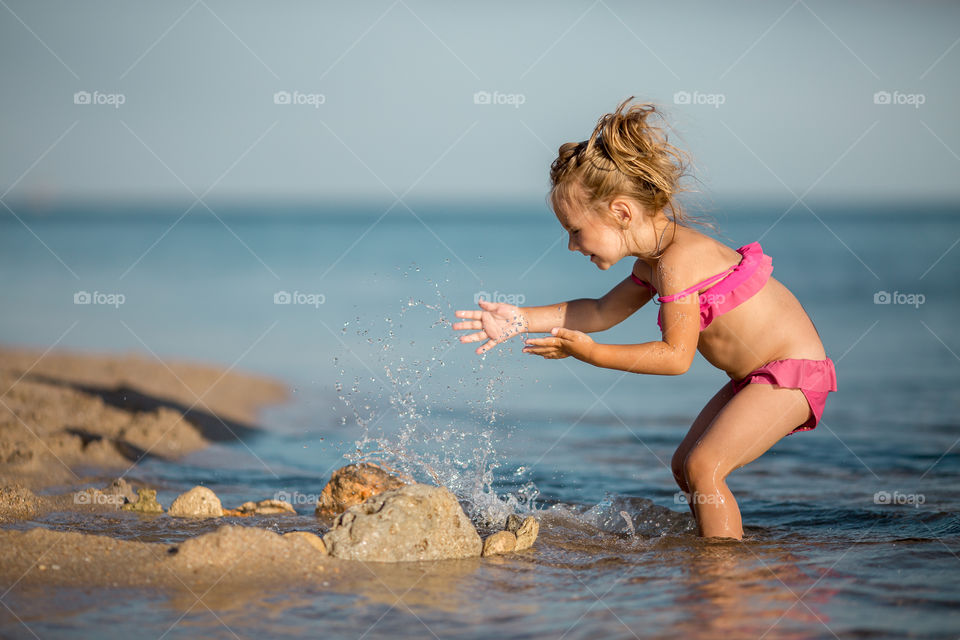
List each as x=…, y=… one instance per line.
x=73, y=425
x=66, y=412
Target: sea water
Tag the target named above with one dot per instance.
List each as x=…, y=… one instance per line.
x=851, y=529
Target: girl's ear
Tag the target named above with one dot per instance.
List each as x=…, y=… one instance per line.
x=622, y=212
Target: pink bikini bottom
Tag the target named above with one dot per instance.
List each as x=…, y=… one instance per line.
x=815, y=378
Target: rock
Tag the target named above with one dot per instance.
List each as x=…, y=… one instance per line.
x=513, y=522
x=199, y=502
x=120, y=487
x=230, y=548
x=500, y=542
x=414, y=522
x=266, y=507
x=352, y=485
x=146, y=502
x=314, y=540
x=527, y=533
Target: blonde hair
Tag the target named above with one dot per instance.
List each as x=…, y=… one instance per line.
x=625, y=156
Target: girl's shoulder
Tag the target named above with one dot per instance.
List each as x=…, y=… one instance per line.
x=693, y=258
x=643, y=271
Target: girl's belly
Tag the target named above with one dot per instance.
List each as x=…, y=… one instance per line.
x=772, y=325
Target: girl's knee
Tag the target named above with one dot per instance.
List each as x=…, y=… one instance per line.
x=702, y=468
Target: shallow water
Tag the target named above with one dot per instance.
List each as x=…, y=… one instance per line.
x=379, y=375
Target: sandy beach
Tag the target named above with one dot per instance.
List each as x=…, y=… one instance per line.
x=72, y=420
x=66, y=413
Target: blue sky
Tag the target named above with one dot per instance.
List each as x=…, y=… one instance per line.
x=773, y=99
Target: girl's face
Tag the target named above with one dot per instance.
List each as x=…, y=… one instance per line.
x=593, y=237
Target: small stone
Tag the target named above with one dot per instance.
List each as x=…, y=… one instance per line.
x=352, y=485
x=146, y=502
x=527, y=533
x=513, y=523
x=120, y=487
x=500, y=542
x=267, y=507
x=262, y=508
x=199, y=502
x=312, y=539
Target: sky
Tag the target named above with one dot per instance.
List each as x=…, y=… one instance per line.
x=467, y=102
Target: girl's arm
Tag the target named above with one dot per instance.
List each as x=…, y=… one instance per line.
x=657, y=358
x=589, y=314
x=498, y=322
x=672, y=355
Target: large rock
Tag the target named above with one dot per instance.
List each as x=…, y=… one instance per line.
x=352, y=485
x=199, y=502
x=236, y=550
x=312, y=539
x=414, y=522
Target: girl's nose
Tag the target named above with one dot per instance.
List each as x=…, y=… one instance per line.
x=570, y=246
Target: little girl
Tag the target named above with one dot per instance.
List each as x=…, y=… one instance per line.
x=610, y=193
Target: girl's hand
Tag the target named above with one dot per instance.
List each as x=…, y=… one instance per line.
x=565, y=342
x=497, y=322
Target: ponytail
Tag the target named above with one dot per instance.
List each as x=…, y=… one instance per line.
x=626, y=155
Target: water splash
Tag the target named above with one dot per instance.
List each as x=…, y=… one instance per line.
x=396, y=408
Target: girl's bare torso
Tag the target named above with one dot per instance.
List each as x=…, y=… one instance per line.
x=771, y=325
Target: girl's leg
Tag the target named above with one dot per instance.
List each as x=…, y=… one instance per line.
x=707, y=414
x=749, y=424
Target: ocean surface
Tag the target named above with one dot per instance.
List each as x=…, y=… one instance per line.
x=851, y=530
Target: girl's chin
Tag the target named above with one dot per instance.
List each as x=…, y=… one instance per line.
x=600, y=264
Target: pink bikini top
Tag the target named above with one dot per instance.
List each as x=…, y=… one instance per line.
x=729, y=289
